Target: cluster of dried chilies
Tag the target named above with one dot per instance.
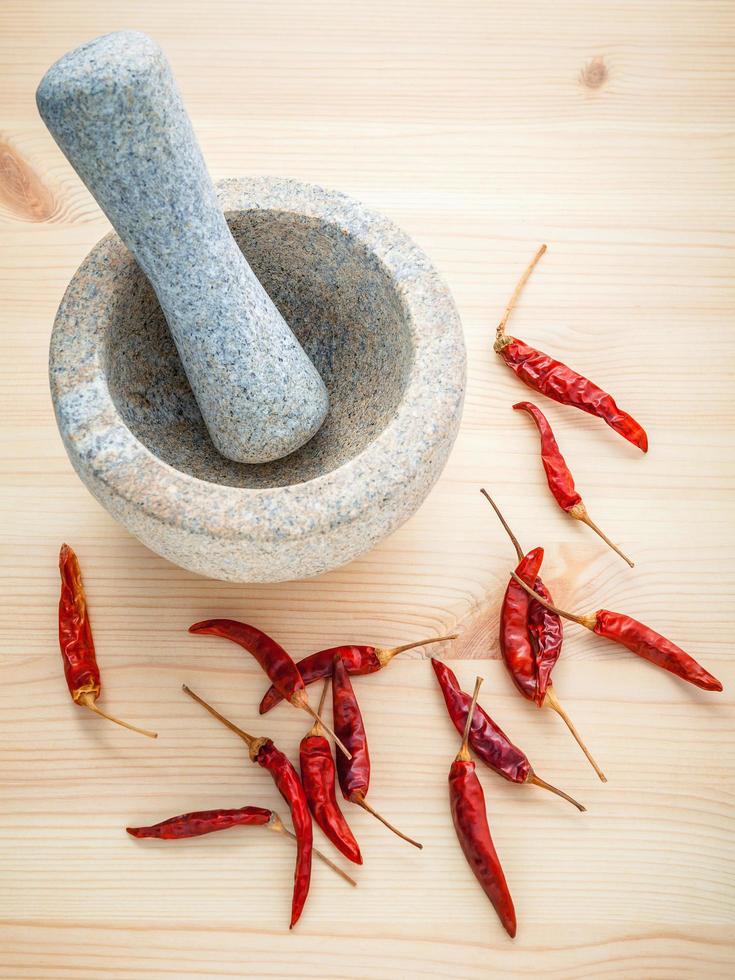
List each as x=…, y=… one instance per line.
x=531, y=635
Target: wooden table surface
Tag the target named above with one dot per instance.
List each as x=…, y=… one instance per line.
x=482, y=128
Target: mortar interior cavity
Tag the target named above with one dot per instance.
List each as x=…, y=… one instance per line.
x=341, y=304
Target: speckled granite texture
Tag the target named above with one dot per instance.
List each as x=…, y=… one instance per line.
x=379, y=324
x=113, y=108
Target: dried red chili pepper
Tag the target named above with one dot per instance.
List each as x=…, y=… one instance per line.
x=210, y=821
x=641, y=640
x=77, y=643
x=354, y=773
x=487, y=739
x=264, y=752
x=555, y=380
x=357, y=660
x=318, y=778
x=275, y=661
x=531, y=637
x=205, y=822
x=469, y=814
x=559, y=477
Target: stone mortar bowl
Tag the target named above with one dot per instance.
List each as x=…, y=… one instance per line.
x=377, y=322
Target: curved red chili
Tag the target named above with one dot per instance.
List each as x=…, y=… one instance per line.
x=650, y=645
x=289, y=786
x=274, y=660
x=515, y=641
x=643, y=641
x=531, y=654
x=547, y=634
x=77, y=643
x=210, y=821
x=530, y=636
x=357, y=660
x=559, y=382
x=558, y=474
x=318, y=778
x=487, y=740
x=559, y=477
x=204, y=822
x=469, y=815
x=265, y=753
x=354, y=773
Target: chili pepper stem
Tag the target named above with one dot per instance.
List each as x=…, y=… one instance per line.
x=386, y=654
x=553, y=702
x=301, y=700
x=513, y=538
x=588, y=621
x=464, y=752
x=317, y=728
x=501, y=340
x=538, y=781
x=250, y=739
x=579, y=513
x=87, y=701
x=277, y=826
x=361, y=801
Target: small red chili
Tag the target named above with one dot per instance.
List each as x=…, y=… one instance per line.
x=356, y=659
x=275, y=661
x=555, y=380
x=205, y=822
x=639, y=639
x=210, y=821
x=531, y=637
x=469, y=815
x=318, y=779
x=264, y=752
x=559, y=477
x=354, y=773
x=77, y=643
x=487, y=740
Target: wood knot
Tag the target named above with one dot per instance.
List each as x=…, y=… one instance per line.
x=594, y=74
x=22, y=191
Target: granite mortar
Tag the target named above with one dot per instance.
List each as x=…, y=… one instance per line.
x=375, y=318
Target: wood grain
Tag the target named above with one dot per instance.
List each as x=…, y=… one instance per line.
x=483, y=128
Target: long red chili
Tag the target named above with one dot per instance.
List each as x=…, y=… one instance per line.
x=318, y=779
x=469, y=814
x=275, y=661
x=488, y=740
x=354, y=773
x=555, y=380
x=265, y=753
x=356, y=659
x=515, y=639
x=641, y=640
x=77, y=643
x=202, y=822
x=531, y=636
x=559, y=476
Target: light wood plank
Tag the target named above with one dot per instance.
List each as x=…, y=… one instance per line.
x=483, y=128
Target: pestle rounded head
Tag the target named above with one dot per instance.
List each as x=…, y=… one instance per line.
x=113, y=107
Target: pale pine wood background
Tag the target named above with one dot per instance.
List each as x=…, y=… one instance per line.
x=482, y=128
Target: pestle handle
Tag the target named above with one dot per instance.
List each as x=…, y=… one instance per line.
x=113, y=108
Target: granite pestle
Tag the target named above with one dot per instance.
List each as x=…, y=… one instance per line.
x=113, y=108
